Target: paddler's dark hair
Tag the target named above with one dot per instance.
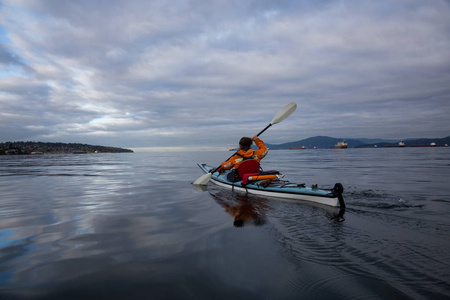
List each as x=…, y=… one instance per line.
x=245, y=143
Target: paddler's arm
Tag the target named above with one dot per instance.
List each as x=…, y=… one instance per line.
x=262, y=151
x=226, y=165
x=259, y=143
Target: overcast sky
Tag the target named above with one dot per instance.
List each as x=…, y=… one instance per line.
x=204, y=73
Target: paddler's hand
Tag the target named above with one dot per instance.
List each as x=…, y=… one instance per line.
x=221, y=170
x=254, y=137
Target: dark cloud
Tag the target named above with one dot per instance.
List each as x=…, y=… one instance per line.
x=8, y=58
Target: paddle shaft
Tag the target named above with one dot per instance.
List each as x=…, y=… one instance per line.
x=267, y=127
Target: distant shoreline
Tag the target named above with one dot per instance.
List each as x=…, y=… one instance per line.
x=35, y=148
x=324, y=142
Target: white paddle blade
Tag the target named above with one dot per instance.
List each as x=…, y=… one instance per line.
x=284, y=113
x=203, y=180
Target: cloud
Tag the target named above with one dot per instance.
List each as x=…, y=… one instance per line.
x=144, y=73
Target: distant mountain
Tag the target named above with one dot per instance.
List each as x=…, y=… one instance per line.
x=317, y=141
x=377, y=141
x=321, y=142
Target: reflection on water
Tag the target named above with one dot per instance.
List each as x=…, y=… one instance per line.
x=244, y=211
x=132, y=226
x=247, y=209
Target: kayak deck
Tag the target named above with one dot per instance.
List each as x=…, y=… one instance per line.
x=278, y=189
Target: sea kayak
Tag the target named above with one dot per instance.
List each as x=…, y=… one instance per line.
x=276, y=187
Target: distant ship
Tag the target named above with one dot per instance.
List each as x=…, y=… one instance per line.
x=340, y=145
x=399, y=145
x=298, y=148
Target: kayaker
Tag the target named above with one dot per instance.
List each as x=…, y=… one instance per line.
x=245, y=152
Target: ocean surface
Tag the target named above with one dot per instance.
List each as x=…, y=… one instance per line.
x=132, y=226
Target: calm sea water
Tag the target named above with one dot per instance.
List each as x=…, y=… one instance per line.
x=132, y=226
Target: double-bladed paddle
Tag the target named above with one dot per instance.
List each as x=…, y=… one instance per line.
x=279, y=117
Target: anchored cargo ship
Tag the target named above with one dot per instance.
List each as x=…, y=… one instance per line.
x=340, y=145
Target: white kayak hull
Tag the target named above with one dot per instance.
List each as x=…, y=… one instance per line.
x=288, y=191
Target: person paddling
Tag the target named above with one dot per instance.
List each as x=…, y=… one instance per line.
x=279, y=117
x=245, y=152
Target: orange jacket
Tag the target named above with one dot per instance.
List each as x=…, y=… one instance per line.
x=236, y=160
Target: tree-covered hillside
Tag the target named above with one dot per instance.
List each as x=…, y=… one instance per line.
x=55, y=148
